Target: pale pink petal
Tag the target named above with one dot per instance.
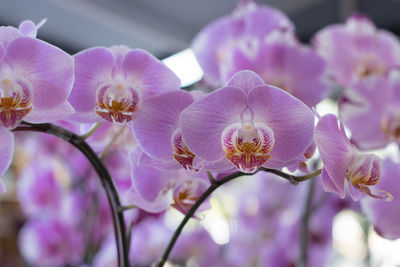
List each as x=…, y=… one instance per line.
x=7, y=34
x=362, y=108
x=328, y=185
x=150, y=186
x=148, y=75
x=156, y=121
x=335, y=150
x=92, y=68
x=204, y=121
x=291, y=121
x=47, y=68
x=39, y=116
x=245, y=80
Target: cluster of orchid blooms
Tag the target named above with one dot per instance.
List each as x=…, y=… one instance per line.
x=164, y=145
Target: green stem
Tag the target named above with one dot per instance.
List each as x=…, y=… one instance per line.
x=91, y=131
x=109, y=145
x=127, y=207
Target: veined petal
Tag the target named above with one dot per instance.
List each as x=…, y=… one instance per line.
x=49, y=70
x=385, y=215
x=7, y=34
x=328, y=184
x=335, y=150
x=157, y=119
x=93, y=67
x=246, y=80
x=6, y=150
x=291, y=121
x=148, y=75
x=204, y=121
x=150, y=186
x=62, y=111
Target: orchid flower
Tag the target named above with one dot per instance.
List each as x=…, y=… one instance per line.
x=248, y=20
x=35, y=82
x=112, y=83
x=249, y=124
x=344, y=165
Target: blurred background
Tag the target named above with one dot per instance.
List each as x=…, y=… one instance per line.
x=165, y=29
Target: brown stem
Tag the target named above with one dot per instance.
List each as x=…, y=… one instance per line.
x=106, y=180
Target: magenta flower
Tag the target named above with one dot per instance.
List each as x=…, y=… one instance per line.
x=370, y=108
x=248, y=20
x=250, y=124
x=282, y=61
x=112, y=83
x=35, y=82
x=385, y=216
x=357, y=49
x=344, y=166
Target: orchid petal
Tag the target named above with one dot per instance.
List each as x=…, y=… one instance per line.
x=335, y=150
x=47, y=68
x=204, y=121
x=149, y=75
x=156, y=121
x=92, y=68
x=291, y=121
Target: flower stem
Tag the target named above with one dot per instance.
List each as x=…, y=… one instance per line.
x=214, y=185
x=91, y=130
x=109, y=145
x=105, y=178
x=304, y=227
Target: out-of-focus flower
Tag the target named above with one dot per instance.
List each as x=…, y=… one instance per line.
x=248, y=21
x=250, y=124
x=113, y=83
x=280, y=60
x=42, y=186
x=357, y=49
x=48, y=242
x=371, y=110
x=35, y=82
x=344, y=165
x=385, y=216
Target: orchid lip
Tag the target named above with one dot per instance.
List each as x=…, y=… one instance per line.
x=247, y=145
x=181, y=153
x=15, y=101
x=117, y=103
